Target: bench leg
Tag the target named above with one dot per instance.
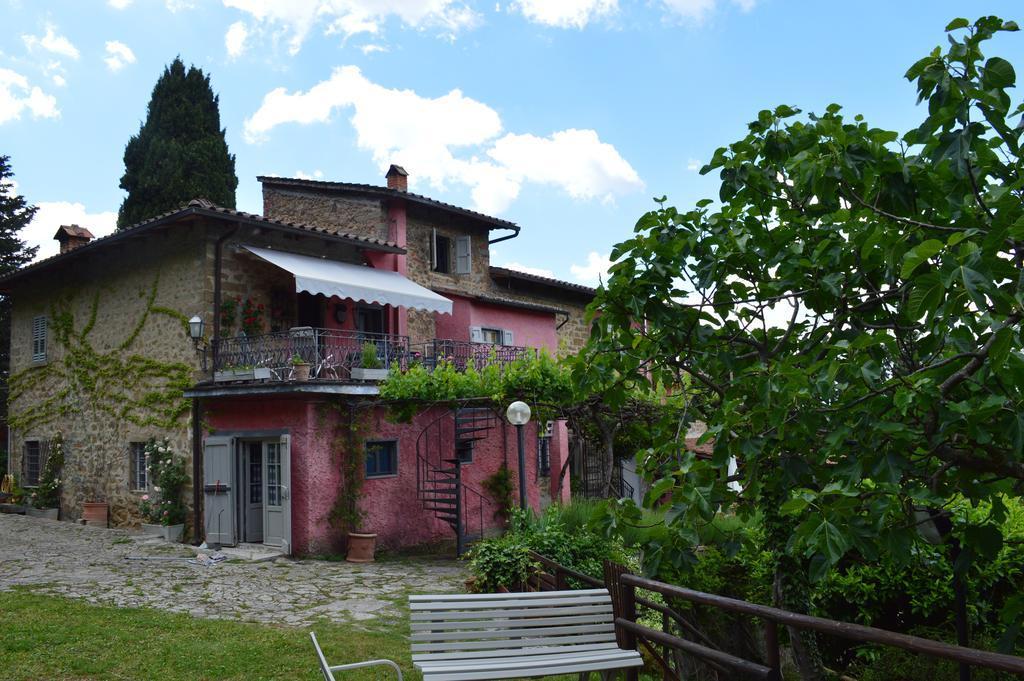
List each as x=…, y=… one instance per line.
x=584, y=676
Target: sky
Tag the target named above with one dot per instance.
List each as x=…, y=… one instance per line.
x=567, y=117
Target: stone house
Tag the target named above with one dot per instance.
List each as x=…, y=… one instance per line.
x=101, y=354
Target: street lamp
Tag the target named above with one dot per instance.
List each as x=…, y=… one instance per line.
x=518, y=414
x=196, y=331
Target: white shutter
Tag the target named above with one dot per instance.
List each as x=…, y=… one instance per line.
x=476, y=334
x=463, y=255
x=507, y=337
x=433, y=249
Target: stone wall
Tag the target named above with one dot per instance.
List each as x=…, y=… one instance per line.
x=115, y=380
x=362, y=217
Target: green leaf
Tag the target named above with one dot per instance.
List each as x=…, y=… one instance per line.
x=793, y=506
x=926, y=295
x=1000, y=348
x=830, y=540
x=918, y=254
x=998, y=73
x=957, y=23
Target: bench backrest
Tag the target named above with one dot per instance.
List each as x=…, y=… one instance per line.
x=484, y=624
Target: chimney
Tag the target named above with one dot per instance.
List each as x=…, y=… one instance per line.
x=397, y=178
x=71, y=237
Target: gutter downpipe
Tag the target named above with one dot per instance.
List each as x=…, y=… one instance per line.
x=197, y=431
x=564, y=321
x=513, y=235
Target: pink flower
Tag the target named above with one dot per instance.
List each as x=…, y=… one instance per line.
x=165, y=512
x=145, y=497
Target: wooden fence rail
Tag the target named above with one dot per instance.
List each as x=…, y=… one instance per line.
x=623, y=587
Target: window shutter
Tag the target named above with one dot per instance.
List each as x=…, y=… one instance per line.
x=507, y=338
x=476, y=334
x=463, y=255
x=39, y=339
x=433, y=249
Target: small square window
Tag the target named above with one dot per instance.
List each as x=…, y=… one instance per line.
x=381, y=458
x=138, y=474
x=491, y=336
x=464, y=451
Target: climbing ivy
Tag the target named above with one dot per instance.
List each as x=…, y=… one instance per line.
x=121, y=383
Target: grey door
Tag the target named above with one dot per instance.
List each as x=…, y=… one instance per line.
x=219, y=490
x=277, y=504
x=252, y=465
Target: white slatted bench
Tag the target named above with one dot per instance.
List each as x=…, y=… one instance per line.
x=515, y=635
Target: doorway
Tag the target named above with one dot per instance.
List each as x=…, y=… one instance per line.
x=247, y=489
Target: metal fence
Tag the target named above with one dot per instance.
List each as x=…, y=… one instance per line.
x=331, y=353
x=463, y=354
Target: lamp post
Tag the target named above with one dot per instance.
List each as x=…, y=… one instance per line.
x=518, y=414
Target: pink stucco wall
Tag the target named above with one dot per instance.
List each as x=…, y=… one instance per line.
x=530, y=328
x=393, y=510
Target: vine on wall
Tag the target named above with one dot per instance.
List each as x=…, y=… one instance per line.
x=120, y=383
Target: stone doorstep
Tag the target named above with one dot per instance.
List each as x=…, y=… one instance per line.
x=250, y=553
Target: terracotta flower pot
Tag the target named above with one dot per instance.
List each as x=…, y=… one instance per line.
x=96, y=513
x=360, y=547
x=300, y=372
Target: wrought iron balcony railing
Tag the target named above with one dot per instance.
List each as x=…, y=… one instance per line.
x=333, y=353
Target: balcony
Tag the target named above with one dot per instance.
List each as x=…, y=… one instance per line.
x=332, y=354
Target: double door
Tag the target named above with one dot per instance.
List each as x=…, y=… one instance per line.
x=247, y=491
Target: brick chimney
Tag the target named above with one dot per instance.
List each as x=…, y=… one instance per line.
x=71, y=237
x=398, y=178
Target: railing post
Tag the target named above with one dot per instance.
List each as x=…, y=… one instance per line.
x=627, y=601
x=771, y=646
x=459, y=528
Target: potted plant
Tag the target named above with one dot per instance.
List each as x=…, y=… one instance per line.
x=163, y=512
x=370, y=367
x=45, y=499
x=346, y=513
x=300, y=368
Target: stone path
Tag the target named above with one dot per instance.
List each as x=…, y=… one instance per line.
x=93, y=564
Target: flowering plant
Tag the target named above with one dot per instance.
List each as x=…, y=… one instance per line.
x=228, y=310
x=168, y=478
x=47, y=492
x=252, y=317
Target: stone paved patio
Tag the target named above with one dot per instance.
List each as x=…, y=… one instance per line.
x=93, y=564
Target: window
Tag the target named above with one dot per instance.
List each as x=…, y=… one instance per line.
x=481, y=334
x=370, y=319
x=137, y=470
x=39, y=339
x=32, y=463
x=464, y=451
x=381, y=458
x=544, y=455
x=440, y=253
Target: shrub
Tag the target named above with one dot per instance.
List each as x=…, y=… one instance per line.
x=168, y=478
x=47, y=492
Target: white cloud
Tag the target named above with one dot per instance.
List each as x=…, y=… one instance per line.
x=234, y=39
x=519, y=267
x=179, y=5
x=596, y=269
x=51, y=215
x=566, y=13
x=58, y=80
x=693, y=165
x=317, y=175
x=294, y=19
x=16, y=95
x=119, y=4
x=451, y=138
x=697, y=11
x=51, y=42
x=371, y=48
x=118, y=56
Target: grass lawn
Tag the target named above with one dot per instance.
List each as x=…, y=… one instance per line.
x=45, y=637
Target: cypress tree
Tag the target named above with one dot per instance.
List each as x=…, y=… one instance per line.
x=180, y=152
x=15, y=214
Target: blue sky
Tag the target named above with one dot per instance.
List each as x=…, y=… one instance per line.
x=565, y=116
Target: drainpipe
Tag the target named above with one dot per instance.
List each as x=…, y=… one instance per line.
x=564, y=321
x=198, y=531
x=218, y=256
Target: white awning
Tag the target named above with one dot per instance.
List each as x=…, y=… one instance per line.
x=345, y=280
